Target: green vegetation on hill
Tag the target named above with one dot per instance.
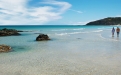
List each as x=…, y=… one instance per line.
x=107, y=21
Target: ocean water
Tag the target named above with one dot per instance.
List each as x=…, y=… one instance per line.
x=72, y=50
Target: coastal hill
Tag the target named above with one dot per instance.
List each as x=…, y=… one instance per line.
x=106, y=21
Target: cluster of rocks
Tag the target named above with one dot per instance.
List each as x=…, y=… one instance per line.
x=8, y=32
x=42, y=37
x=5, y=48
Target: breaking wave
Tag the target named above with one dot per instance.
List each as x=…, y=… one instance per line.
x=98, y=31
x=61, y=34
x=60, y=30
x=68, y=29
x=70, y=33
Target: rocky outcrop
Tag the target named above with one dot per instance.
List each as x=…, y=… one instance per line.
x=5, y=48
x=8, y=32
x=42, y=37
x=106, y=21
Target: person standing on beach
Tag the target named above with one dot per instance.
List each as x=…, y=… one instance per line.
x=113, y=31
x=118, y=30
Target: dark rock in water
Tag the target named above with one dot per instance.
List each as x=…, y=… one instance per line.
x=42, y=37
x=5, y=48
x=78, y=38
x=8, y=32
x=37, y=33
x=23, y=31
x=20, y=31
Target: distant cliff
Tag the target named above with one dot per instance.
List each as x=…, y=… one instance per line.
x=106, y=21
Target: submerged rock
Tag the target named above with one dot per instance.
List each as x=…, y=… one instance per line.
x=5, y=48
x=8, y=32
x=42, y=37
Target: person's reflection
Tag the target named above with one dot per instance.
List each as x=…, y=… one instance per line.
x=112, y=37
x=117, y=38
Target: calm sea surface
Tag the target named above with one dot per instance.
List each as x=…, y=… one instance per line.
x=72, y=50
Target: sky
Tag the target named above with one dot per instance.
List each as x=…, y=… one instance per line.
x=56, y=12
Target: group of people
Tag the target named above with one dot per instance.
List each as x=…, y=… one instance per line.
x=117, y=30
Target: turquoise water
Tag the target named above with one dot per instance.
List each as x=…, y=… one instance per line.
x=72, y=50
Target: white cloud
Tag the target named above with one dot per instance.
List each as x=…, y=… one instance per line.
x=19, y=12
x=80, y=23
x=80, y=12
x=118, y=16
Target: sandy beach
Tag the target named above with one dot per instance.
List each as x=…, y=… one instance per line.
x=72, y=51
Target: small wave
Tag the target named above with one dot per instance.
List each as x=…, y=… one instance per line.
x=108, y=39
x=60, y=30
x=68, y=29
x=101, y=36
x=100, y=28
x=105, y=28
x=79, y=29
x=78, y=32
x=98, y=31
x=61, y=34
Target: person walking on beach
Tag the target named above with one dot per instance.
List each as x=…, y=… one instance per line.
x=118, y=30
x=113, y=31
